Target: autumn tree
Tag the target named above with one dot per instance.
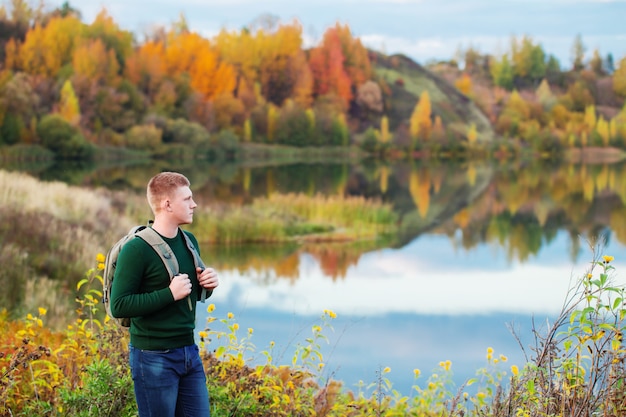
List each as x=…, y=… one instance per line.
x=46, y=49
x=192, y=55
x=545, y=96
x=92, y=60
x=464, y=84
x=69, y=108
x=340, y=64
x=619, y=78
x=420, y=122
x=283, y=68
x=119, y=41
x=472, y=134
x=515, y=112
x=385, y=135
x=529, y=60
x=146, y=68
x=329, y=74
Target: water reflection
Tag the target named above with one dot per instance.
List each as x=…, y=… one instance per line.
x=406, y=308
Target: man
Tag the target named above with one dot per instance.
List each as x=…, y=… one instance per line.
x=165, y=363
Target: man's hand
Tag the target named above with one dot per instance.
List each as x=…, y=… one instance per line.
x=207, y=278
x=180, y=286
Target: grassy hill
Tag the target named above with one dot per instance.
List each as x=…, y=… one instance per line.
x=407, y=80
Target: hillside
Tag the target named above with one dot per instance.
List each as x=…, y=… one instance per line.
x=406, y=80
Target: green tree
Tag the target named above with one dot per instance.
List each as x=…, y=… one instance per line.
x=596, y=63
x=578, y=53
x=11, y=129
x=502, y=72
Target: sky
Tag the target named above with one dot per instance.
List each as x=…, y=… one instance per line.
x=421, y=29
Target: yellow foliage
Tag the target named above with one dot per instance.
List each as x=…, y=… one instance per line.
x=602, y=127
x=69, y=108
x=384, y=178
x=472, y=134
x=46, y=49
x=419, y=187
x=385, y=136
x=464, y=84
x=92, y=60
x=420, y=122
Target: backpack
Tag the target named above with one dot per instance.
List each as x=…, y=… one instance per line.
x=160, y=247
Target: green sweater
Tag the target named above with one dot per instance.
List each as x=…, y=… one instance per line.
x=141, y=291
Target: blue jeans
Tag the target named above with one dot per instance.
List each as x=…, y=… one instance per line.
x=169, y=382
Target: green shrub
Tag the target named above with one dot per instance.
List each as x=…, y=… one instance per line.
x=104, y=392
x=63, y=139
x=143, y=137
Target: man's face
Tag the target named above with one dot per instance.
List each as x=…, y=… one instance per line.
x=182, y=205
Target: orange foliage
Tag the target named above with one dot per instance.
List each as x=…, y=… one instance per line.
x=192, y=54
x=339, y=64
x=146, y=67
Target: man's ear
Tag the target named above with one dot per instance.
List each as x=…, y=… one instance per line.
x=165, y=204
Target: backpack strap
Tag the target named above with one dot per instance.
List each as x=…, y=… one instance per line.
x=164, y=251
x=204, y=293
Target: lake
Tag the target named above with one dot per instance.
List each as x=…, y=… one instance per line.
x=483, y=248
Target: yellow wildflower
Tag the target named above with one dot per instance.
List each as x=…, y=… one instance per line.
x=330, y=313
x=100, y=258
x=386, y=370
x=236, y=326
x=481, y=395
x=317, y=329
x=203, y=334
x=515, y=370
x=489, y=353
x=416, y=372
x=42, y=311
x=230, y=315
x=503, y=358
x=607, y=258
x=210, y=308
x=250, y=330
x=100, y=266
